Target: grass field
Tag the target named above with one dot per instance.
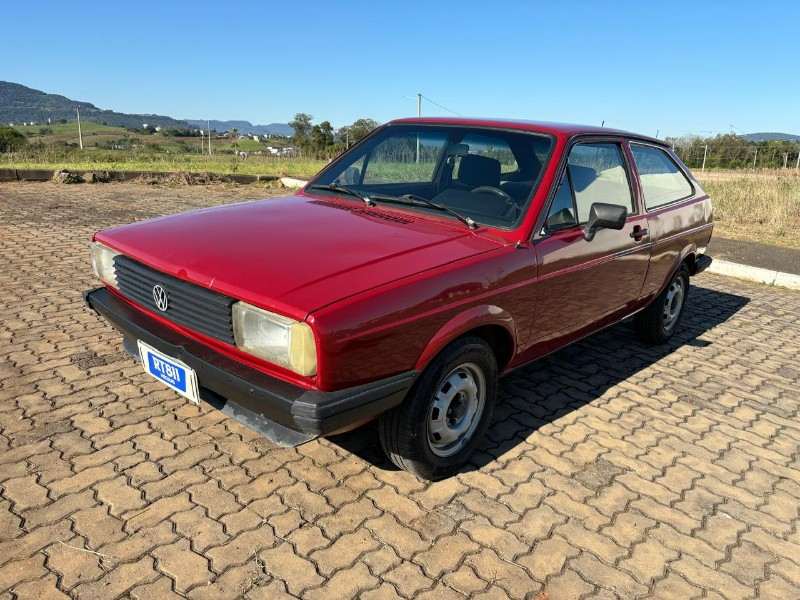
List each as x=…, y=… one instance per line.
x=761, y=205
x=171, y=162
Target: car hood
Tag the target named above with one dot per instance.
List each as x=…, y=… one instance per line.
x=294, y=254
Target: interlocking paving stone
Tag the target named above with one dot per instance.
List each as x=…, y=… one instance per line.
x=611, y=469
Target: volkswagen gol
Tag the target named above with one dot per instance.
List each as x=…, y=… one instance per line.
x=430, y=259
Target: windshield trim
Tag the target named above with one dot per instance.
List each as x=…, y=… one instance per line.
x=524, y=207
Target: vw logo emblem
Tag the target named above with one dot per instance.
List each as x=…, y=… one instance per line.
x=160, y=298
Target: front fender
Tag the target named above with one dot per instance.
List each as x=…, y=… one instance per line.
x=469, y=320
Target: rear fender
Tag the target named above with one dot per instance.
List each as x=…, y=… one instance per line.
x=680, y=258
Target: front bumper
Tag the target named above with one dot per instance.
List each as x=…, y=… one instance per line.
x=281, y=411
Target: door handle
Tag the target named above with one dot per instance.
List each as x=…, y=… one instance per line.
x=639, y=233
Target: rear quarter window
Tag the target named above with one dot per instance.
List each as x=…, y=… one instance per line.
x=662, y=181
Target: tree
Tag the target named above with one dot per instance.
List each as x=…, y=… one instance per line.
x=362, y=128
x=234, y=138
x=350, y=134
x=321, y=137
x=11, y=139
x=302, y=130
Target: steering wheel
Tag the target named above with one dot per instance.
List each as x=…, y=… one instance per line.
x=490, y=189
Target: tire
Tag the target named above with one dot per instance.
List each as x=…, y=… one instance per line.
x=657, y=323
x=440, y=423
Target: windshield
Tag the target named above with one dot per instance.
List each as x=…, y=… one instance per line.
x=486, y=175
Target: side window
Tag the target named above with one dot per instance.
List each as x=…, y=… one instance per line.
x=562, y=212
x=662, y=180
x=598, y=174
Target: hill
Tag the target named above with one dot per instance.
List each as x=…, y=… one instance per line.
x=243, y=127
x=771, y=137
x=20, y=104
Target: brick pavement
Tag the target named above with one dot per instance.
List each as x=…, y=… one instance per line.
x=611, y=469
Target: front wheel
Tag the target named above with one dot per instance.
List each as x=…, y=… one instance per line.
x=437, y=427
x=657, y=323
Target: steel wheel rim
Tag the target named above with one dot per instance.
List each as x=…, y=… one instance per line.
x=674, y=302
x=456, y=409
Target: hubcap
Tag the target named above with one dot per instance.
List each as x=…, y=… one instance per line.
x=674, y=302
x=456, y=409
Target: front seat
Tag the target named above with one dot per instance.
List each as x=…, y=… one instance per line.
x=474, y=172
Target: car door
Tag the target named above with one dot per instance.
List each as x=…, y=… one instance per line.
x=678, y=213
x=582, y=283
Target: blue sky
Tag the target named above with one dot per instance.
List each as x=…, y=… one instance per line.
x=666, y=67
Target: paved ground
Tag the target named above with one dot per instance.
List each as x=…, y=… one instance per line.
x=611, y=470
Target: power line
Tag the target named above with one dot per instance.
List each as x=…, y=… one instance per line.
x=442, y=107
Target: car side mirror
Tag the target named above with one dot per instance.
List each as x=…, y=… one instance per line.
x=610, y=216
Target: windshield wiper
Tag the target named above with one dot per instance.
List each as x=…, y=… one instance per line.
x=335, y=187
x=414, y=199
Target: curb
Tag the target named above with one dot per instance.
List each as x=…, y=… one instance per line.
x=293, y=182
x=757, y=274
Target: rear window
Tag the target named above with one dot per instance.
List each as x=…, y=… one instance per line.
x=662, y=181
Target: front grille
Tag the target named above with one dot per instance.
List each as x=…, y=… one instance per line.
x=189, y=305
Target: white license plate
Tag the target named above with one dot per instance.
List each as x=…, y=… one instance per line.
x=170, y=371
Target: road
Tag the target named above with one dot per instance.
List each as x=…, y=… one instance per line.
x=610, y=470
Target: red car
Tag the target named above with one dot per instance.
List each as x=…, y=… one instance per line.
x=427, y=261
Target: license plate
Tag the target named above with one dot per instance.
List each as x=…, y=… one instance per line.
x=170, y=371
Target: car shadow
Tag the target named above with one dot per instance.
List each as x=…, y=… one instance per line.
x=554, y=386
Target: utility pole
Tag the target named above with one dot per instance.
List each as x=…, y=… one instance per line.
x=705, y=152
x=419, y=114
x=754, y=158
x=209, y=137
x=80, y=135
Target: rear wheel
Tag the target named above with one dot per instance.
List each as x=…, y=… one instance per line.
x=437, y=427
x=657, y=323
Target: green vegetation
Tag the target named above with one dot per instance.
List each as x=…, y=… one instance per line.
x=60, y=157
x=735, y=152
x=11, y=139
x=320, y=141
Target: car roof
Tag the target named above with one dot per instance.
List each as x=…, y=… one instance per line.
x=562, y=129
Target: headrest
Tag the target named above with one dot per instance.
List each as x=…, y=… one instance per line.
x=476, y=170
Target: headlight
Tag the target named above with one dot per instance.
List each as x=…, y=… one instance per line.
x=103, y=263
x=274, y=338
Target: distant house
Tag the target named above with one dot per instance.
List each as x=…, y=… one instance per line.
x=279, y=150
